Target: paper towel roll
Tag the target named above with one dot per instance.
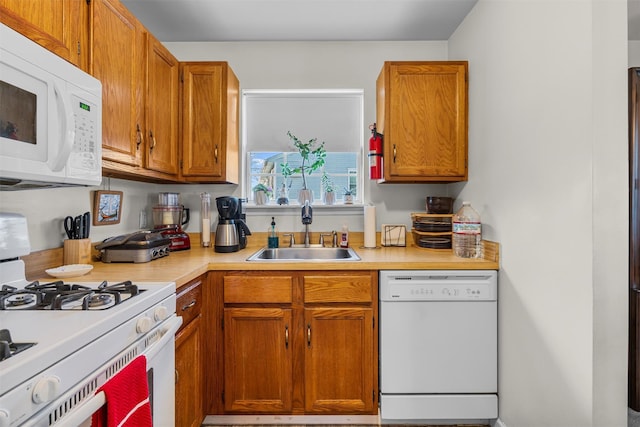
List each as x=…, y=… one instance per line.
x=369, y=226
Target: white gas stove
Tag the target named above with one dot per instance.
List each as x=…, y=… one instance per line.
x=61, y=341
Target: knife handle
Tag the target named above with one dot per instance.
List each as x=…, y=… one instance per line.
x=86, y=217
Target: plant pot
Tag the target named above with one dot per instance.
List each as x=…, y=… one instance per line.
x=260, y=197
x=348, y=199
x=305, y=195
x=329, y=197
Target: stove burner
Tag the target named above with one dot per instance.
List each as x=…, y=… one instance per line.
x=100, y=300
x=65, y=296
x=20, y=299
x=9, y=348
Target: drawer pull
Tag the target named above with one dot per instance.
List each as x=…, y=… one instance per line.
x=188, y=306
x=308, y=334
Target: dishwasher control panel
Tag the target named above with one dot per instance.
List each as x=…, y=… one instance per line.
x=438, y=286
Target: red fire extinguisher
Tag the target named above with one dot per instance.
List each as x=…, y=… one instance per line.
x=375, y=153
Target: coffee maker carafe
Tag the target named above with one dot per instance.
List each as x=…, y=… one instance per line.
x=231, y=231
x=169, y=217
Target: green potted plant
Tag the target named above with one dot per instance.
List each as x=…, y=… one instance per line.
x=328, y=191
x=261, y=193
x=348, y=196
x=313, y=155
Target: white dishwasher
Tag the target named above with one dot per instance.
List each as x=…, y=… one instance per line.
x=438, y=345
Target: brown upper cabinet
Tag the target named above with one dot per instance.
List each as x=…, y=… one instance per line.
x=162, y=109
x=118, y=61
x=210, y=111
x=58, y=25
x=139, y=96
x=422, y=112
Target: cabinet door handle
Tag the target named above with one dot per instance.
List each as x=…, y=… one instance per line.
x=215, y=153
x=153, y=140
x=394, y=153
x=188, y=306
x=139, y=136
x=308, y=334
x=286, y=336
x=177, y=377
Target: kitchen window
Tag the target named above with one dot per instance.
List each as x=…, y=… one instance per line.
x=332, y=116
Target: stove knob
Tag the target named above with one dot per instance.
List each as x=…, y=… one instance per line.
x=144, y=325
x=160, y=313
x=46, y=389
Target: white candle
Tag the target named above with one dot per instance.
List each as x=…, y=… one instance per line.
x=369, y=226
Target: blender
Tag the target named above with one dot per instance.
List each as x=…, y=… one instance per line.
x=169, y=217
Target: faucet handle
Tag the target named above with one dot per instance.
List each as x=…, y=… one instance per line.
x=322, y=236
x=292, y=239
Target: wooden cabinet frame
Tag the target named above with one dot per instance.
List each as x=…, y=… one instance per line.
x=318, y=299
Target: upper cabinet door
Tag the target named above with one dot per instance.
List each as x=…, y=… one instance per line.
x=422, y=113
x=162, y=108
x=118, y=61
x=210, y=112
x=58, y=25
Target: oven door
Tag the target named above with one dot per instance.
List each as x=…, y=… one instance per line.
x=160, y=353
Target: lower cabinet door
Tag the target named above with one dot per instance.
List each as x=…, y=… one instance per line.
x=257, y=360
x=339, y=360
x=189, y=375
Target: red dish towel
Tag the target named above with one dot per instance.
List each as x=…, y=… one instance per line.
x=127, y=396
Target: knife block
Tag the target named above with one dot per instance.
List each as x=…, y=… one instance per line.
x=77, y=251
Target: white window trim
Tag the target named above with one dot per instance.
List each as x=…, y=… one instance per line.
x=294, y=206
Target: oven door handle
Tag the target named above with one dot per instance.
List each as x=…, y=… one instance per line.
x=85, y=411
x=168, y=334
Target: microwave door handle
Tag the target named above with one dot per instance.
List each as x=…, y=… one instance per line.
x=68, y=131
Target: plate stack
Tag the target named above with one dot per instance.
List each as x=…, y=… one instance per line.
x=432, y=231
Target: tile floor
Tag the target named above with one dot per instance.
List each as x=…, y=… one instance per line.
x=302, y=421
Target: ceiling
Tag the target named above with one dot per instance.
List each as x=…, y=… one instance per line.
x=312, y=20
x=300, y=20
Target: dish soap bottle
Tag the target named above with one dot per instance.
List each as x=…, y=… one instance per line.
x=344, y=237
x=272, y=235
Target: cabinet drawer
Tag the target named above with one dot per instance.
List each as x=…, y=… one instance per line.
x=189, y=302
x=258, y=289
x=347, y=288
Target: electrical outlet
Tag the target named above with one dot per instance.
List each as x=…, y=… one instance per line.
x=142, y=219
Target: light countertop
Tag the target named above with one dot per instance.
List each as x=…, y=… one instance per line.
x=183, y=266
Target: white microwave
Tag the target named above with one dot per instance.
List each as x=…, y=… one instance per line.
x=50, y=118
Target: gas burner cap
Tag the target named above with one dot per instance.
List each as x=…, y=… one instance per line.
x=20, y=299
x=99, y=300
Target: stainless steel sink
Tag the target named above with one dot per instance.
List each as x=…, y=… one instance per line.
x=305, y=254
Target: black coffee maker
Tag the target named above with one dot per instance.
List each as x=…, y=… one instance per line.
x=232, y=231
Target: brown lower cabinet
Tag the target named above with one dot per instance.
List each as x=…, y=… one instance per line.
x=189, y=345
x=294, y=343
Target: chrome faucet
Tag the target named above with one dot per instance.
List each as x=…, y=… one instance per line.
x=307, y=218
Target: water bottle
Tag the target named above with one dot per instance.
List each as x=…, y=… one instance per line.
x=205, y=216
x=467, y=232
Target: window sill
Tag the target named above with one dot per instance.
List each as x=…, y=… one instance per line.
x=318, y=209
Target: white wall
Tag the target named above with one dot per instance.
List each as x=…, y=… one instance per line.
x=258, y=66
x=548, y=166
x=634, y=53
x=321, y=65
